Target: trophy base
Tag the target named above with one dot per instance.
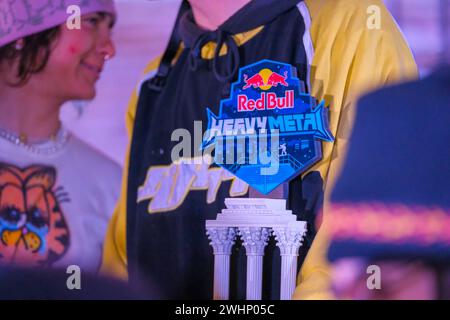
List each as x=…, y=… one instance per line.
x=254, y=220
x=280, y=192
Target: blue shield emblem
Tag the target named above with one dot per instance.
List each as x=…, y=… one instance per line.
x=269, y=130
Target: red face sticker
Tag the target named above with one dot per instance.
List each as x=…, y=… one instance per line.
x=73, y=49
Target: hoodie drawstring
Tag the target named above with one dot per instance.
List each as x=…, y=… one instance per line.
x=231, y=59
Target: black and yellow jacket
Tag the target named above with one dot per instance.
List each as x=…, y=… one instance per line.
x=158, y=230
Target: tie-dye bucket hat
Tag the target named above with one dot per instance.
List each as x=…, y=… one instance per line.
x=21, y=18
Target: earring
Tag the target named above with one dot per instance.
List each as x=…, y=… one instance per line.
x=107, y=57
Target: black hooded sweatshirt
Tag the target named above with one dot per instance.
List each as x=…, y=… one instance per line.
x=170, y=248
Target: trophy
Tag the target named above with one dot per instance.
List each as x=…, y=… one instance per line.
x=268, y=132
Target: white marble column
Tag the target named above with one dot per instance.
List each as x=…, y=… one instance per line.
x=289, y=241
x=222, y=241
x=253, y=220
x=254, y=240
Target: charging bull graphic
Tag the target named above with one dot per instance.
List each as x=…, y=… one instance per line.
x=256, y=81
x=265, y=79
x=269, y=130
x=33, y=230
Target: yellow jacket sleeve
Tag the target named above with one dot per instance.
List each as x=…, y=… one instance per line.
x=115, y=250
x=357, y=48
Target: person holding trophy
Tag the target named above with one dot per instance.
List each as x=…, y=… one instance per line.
x=255, y=62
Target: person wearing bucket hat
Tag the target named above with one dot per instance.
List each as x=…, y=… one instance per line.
x=56, y=192
x=391, y=206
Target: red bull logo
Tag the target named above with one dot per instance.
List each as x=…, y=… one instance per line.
x=265, y=80
x=268, y=130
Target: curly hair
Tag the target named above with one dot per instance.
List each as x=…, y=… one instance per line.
x=34, y=55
